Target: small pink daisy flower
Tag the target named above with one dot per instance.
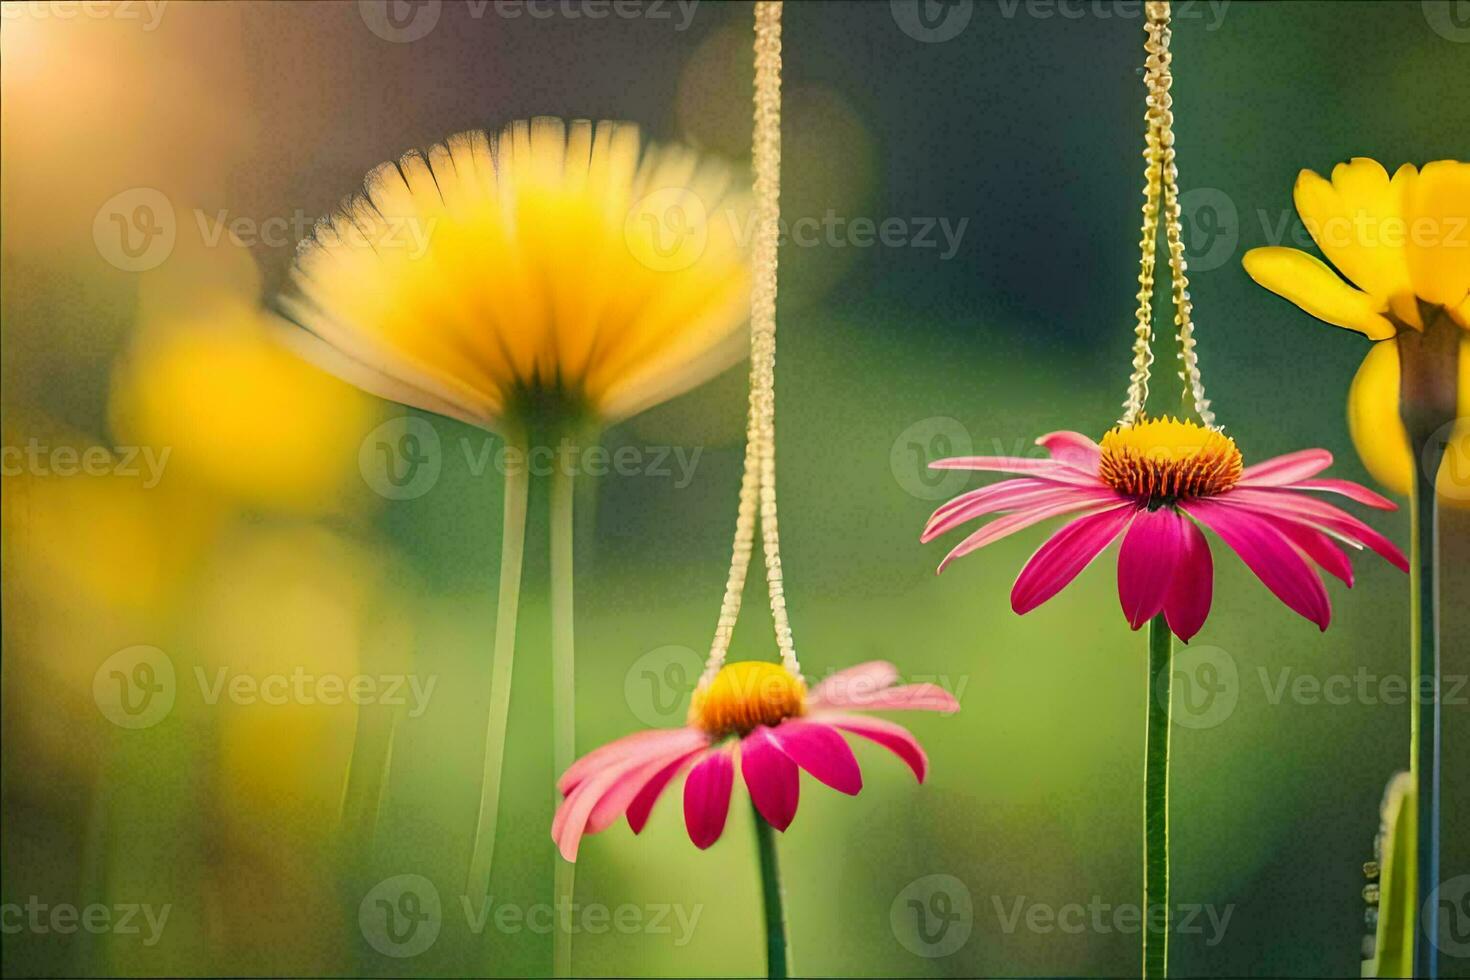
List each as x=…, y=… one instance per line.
x=760, y=716
x=1153, y=484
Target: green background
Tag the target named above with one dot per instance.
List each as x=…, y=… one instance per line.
x=1026, y=126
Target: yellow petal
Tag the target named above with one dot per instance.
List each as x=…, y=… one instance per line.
x=1310, y=284
x=566, y=256
x=1437, y=207
x=1356, y=221
x=1378, y=433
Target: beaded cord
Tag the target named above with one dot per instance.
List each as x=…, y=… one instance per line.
x=758, y=479
x=1161, y=192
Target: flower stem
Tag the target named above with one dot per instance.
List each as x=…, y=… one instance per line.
x=367, y=774
x=1156, y=802
x=778, y=955
x=512, y=549
x=1424, y=713
x=563, y=684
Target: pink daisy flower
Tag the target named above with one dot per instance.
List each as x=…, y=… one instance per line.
x=757, y=715
x=1154, y=484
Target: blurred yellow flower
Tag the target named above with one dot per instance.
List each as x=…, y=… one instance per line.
x=555, y=271
x=241, y=416
x=1404, y=245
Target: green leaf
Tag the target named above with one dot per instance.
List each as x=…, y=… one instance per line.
x=1390, y=892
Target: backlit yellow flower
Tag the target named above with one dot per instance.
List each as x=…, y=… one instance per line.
x=1404, y=245
x=555, y=269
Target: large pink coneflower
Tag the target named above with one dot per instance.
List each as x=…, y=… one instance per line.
x=1154, y=484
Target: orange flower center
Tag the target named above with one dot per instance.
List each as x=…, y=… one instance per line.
x=1161, y=460
x=744, y=695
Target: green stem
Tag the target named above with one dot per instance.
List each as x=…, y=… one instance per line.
x=778, y=954
x=563, y=685
x=1156, y=802
x=1424, y=713
x=512, y=549
x=367, y=774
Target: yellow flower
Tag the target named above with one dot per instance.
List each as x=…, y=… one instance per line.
x=239, y=415
x=1403, y=244
x=555, y=269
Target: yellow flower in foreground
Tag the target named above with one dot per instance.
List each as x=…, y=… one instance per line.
x=1404, y=245
x=557, y=270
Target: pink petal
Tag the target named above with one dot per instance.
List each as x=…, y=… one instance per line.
x=771, y=777
x=1003, y=526
x=820, y=751
x=894, y=738
x=616, y=800
x=1146, y=561
x=1278, y=471
x=1353, y=491
x=1072, y=448
x=1050, y=469
x=644, y=743
x=1268, y=553
x=707, y=796
x=855, y=683
x=1301, y=508
x=569, y=824
x=1187, y=604
x=1014, y=498
x=1065, y=554
x=906, y=697
x=642, y=804
x=1316, y=546
x=984, y=493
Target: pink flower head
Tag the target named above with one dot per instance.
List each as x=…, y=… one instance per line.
x=1153, y=484
x=755, y=715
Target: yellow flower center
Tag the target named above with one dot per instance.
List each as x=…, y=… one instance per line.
x=1161, y=460
x=744, y=695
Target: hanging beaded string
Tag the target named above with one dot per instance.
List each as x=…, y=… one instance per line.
x=758, y=480
x=1161, y=180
